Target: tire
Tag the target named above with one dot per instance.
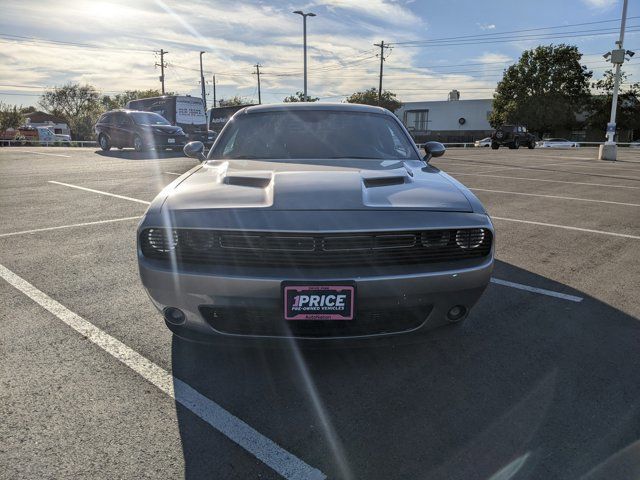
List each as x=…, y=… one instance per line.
x=531, y=145
x=103, y=141
x=138, y=145
x=515, y=144
x=495, y=146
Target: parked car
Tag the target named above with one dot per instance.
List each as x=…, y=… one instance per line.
x=30, y=135
x=558, y=143
x=47, y=136
x=485, y=142
x=182, y=111
x=513, y=136
x=139, y=130
x=314, y=221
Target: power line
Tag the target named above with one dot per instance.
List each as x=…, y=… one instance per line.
x=492, y=34
x=15, y=38
x=481, y=41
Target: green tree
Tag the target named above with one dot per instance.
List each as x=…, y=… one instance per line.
x=10, y=117
x=235, y=101
x=299, y=97
x=628, y=109
x=544, y=90
x=29, y=109
x=370, y=97
x=78, y=104
x=120, y=100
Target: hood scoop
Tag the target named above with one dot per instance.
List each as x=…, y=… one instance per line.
x=385, y=178
x=249, y=179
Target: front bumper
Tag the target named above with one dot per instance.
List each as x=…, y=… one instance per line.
x=162, y=140
x=231, y=304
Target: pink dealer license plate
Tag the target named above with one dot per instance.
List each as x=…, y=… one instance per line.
x=318, y=302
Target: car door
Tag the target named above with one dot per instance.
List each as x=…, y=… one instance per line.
x=119, y=128
x=127, y=130
x=106, y=126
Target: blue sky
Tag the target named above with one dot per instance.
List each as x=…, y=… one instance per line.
x=112, y=44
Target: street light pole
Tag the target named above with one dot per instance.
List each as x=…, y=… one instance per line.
x=304, y=33
x=608, y=151
x=204, y=94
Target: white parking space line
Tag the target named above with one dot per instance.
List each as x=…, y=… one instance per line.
x=544, y=180
x=173, y=173
x=85, y=224
x=567, y=227
x=542, y=291
x=497, y=168
x=557, y=197
x=261, y=447
x=43, y=153
x=137, y=200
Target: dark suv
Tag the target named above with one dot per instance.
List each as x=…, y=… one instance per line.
x=140, y=130
x=512, y=136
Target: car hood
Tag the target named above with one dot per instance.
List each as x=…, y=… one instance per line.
x=317, y=185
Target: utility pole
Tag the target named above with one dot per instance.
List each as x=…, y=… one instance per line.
x=162, y=65
x=608, y=151
x=214, y=91
x=204, y=91
x=382, y=47
x=257, y=72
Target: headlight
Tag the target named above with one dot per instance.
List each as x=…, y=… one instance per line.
x=162, y=240
x=470, y=238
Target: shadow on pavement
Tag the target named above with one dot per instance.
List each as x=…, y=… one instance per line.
x=128, y=154
x=529, y=387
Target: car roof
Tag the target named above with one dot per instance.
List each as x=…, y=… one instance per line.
x=329, y=106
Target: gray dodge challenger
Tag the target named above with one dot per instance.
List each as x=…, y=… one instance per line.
x=314, y=221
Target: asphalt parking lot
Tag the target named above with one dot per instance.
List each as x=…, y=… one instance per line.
x=541, y=382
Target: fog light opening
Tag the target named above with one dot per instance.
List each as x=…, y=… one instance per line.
x=457, y=313
x=174, y=316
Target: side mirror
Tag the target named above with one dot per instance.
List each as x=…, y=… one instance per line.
x=432, y=149
x=195, y=150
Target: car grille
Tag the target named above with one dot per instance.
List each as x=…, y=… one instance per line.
x=269, y=322
x=260, y=249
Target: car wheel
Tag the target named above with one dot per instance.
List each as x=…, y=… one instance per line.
x=138, y=146
x=495, y=146
x=532, y=145
x=104, y=142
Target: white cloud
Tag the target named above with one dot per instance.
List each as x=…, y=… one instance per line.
x=235, y=35
x=491, y=57
x=486, y=26
x=385, y=11
x=600, y=4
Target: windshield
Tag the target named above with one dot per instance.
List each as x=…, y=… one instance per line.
x=148, y=118
x=314, y=134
